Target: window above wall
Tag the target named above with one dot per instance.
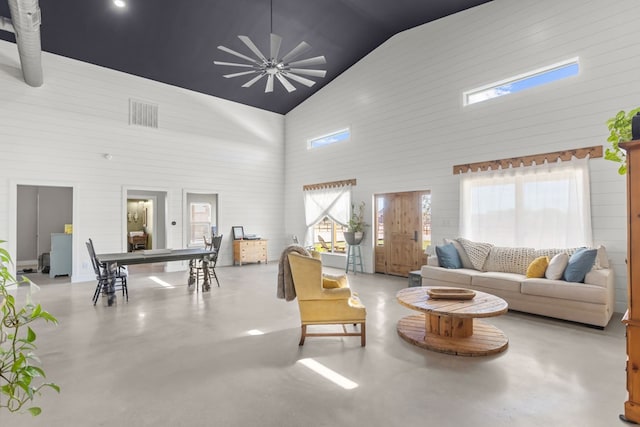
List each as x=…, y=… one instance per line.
x=332, y=138
x=528, y=80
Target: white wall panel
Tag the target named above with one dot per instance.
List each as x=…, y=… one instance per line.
x=61, y=131
x=409, y=127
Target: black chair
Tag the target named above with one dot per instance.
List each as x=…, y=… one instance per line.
x=208, y=268
x=102, y=275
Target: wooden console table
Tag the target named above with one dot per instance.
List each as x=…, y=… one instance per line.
x=245, y=251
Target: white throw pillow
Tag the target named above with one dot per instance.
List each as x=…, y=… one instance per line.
x=556, y=266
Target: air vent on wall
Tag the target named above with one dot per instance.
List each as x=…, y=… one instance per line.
x=143, y=113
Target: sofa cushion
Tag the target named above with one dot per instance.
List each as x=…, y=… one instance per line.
x=556, y=266
x=565, y=290
x=538, y=267
x=509, y=260
x=448, y=256
x=580, y=264
x=498, y=280
x=437, y=275
x=466, y=262
x=477, y=251
x=554, y=251
x=602, y=260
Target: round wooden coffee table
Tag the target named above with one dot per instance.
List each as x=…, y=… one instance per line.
x=451, y=326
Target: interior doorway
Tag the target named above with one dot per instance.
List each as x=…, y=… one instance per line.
x=403, y=231
x=41, y=211
x=145, y=220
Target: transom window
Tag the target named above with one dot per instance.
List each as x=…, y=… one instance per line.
x=332, y=138
x=522, y=82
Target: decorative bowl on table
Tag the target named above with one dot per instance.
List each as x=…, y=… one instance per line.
x=451, y=293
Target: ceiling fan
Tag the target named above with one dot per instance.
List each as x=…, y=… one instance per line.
x=275, y=67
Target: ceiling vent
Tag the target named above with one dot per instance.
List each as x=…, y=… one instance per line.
x=143, y=113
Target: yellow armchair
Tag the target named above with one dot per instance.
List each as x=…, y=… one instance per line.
x=324, y=303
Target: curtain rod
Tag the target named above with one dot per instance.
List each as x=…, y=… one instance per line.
x=330, y=184
x=538, y=159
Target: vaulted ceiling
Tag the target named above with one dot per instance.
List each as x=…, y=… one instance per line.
x=175, y=42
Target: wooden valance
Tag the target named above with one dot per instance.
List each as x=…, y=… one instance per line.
x=538, y=159
x=331, y=184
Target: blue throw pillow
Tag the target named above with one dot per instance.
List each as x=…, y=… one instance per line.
x=448, y=256
x=580, y=264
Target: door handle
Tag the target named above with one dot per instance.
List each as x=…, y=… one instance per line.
x=415, y=236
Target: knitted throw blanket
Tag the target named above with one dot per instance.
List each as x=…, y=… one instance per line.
x=286, y=290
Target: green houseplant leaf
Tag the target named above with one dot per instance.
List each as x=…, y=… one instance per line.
x=619, y=131
x=19, y=376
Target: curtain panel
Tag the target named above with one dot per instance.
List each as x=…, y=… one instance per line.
x=331, y=202
x=540, y=206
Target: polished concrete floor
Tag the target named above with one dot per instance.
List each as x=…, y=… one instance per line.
x=170, y=357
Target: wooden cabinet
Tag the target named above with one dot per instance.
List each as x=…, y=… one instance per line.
x=632, y=317
x=245, y=251
x=60, y=258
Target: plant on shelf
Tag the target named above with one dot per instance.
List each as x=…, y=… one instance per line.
x=19, y=373
x=356, y=225
x=620, y=131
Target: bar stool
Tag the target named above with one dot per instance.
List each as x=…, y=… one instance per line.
x=354, y=257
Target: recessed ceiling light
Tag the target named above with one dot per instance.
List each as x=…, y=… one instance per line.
x=119, y=3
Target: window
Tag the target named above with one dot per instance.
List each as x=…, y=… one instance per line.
x=522, y=82
x=541, y=206
x=328, y=236
x=326, y=212
x=332, y=138
x=379, y=220
x=426, y=221
x=200, y=220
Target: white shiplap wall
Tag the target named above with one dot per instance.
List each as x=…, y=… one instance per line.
x=57, y=135
x=403, y=103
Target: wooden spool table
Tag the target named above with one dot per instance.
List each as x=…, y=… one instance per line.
x=450, y=325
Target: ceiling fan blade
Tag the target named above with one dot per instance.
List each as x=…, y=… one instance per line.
x=269, y=87
x=314, y=73
x=233, y=64
x=297, y=51
x=276, y=40
x=288, y=86
x=299, y=79
x=316, y=60
x=253, y=80
x=244, y=73
x=238, y=54
x=246, y=40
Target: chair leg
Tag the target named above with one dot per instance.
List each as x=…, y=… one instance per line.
x=303, y=334
x=363, y=334
x=215, y=276
x=96, y=294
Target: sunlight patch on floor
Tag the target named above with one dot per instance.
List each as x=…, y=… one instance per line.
x=329, y=374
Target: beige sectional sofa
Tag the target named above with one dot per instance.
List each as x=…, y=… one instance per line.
x=502, y=272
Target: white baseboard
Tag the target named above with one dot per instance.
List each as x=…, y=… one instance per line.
x=33, y=262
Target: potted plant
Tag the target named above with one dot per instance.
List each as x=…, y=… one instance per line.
x=19, y=370
x=621, y=130
x=356, y=225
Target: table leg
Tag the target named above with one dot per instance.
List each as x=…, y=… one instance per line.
x=448, y=326
x=111, y=283
x=192, y=277
x=205, y=268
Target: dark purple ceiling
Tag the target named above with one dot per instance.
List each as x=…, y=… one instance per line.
x=175, y=42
